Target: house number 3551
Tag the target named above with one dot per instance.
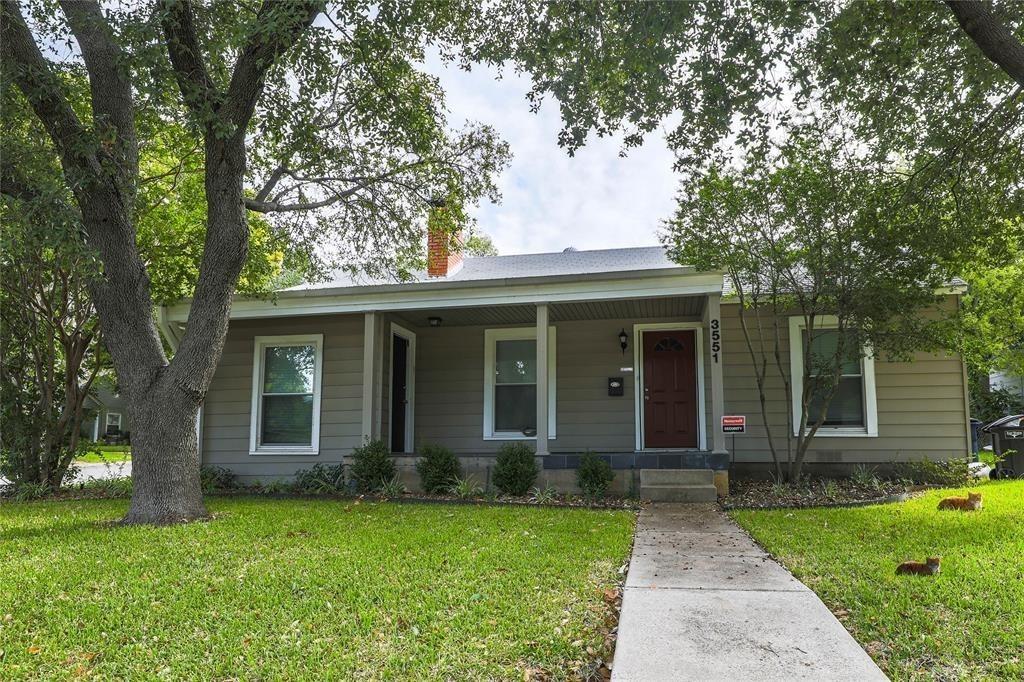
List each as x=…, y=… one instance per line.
x=716, y=340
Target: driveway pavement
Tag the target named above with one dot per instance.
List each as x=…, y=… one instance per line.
x=102, y=470
x=704, y=602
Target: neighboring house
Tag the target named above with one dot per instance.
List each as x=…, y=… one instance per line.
x=109, y=418
x=620, y=352
x=1008, y=382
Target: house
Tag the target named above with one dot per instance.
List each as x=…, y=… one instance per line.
x=108, y=417
x=620, y=352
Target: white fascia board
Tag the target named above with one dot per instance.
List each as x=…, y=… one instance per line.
x=469, y=294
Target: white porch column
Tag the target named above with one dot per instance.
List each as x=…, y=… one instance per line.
x=714, y=320
x=542, y=379
x=370, y=424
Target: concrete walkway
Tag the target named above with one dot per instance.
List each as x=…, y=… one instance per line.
x=704, y=602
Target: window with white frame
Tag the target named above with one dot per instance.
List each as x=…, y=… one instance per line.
x=113, y=423
x=510, y=383
x=286, y=395
x=852, y=411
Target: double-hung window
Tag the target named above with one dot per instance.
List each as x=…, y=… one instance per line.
x=286, y=395
x=852, y=410
x=510, y=383
x=113, y=423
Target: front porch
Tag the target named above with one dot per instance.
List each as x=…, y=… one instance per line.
x=439, y=375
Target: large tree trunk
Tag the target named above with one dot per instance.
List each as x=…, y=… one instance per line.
x=165, y=457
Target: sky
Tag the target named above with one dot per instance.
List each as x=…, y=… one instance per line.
x=550, y=201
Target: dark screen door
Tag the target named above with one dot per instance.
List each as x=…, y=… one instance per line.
x=670, y=389
x=399, y=399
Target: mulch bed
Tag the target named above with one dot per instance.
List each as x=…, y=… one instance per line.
x=759, y=494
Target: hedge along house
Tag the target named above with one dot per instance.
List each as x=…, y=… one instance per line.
x=620, y=352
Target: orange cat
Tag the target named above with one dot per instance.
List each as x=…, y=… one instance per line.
x=929, y=567
x=970, y=503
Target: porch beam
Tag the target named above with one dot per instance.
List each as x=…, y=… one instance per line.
x=542, y=379
x=369, y=373
x=713, y=313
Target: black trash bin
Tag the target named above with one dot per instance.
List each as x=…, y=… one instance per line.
x=1008, y=443
x=976, y=425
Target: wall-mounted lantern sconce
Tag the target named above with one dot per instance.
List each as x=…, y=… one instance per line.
x=623, y=341
x=434, y=321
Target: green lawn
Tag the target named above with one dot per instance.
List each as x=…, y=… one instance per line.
x=965, y=623
x=106, y=453
x=291, y=589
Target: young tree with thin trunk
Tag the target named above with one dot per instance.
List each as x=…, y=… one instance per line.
x=329, y=120
x=824, y=235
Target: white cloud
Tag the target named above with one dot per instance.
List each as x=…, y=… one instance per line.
x=593, y=200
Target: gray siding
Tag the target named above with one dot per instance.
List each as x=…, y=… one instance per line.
x=226, y=411
x=921, y=409
x=449, y=388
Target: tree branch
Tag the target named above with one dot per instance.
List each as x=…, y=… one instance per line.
x=992, y=37
x=264, y=46
x=112, y=102
x=41, y=87
x=197, y=88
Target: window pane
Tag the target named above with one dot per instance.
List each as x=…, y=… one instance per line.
x=288, y=369
x=287, y=420
x=515, y=362
x=847, y=406
x=825, y=346
x=515, y=407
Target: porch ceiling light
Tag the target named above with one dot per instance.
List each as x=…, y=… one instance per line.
x=434, y=321
x=623, y=340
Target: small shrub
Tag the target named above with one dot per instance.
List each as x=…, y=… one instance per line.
x=372, y=466
x=515, y=469
x=951, y=473
x=545, y=495
x=322, y=479
x=393, y=487
x=438, y=468
x=213, y=478
x=594, y=476
x=465, y=488
x=27, y=491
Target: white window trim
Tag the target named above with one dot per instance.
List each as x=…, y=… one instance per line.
x=638, y=381
x=113, y=414
x=796, y=362
x=410, y=385
x=260, y=343
x=515, y=334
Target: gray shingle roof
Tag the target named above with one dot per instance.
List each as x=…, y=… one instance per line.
x=528, y=265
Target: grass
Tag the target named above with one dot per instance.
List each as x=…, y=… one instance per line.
x=965, y=623
x=294, y=589
x=112, y=454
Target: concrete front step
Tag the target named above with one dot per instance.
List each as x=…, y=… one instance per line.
x=676, y=477
x=679, y=493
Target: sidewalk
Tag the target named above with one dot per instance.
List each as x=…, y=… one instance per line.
x=704, y=602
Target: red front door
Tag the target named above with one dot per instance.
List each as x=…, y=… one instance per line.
x=670, y=389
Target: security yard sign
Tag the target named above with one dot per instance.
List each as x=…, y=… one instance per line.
x=734, y=424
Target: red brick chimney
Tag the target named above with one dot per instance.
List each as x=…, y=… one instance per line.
x=444, y=253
